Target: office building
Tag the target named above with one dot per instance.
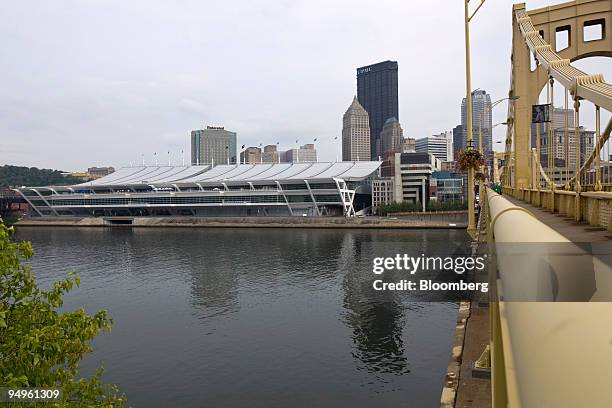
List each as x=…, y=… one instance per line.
x=377, y=92
x=440, y=146
x=448, y=186
x=411, y=173
x=409, y=145
x=587, y=144
x=213, y=145
x=481, y=119
x=270, y=154
x=251, y=155
x=306, y=153
x=391, y=136
x=355, y=133
x=382, y=191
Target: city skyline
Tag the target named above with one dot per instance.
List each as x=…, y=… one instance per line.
x=76, y=91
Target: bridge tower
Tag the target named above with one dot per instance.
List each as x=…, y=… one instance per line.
x=571, y=17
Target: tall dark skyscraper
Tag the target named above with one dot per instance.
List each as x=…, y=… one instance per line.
x=377, y=93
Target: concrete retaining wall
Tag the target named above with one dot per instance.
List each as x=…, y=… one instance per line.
x=439, y=221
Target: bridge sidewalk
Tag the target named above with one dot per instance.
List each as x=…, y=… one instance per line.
x=474, y=391
x=572, y=230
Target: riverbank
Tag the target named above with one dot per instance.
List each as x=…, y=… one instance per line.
x=451, y=219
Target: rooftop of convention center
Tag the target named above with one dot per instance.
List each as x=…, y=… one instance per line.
x=240, y=173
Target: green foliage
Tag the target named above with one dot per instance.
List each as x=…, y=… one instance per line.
x=9, y=219
x=40, y=347
x=446, y=206
x=407, y=206
x=404, y=206
x=15, y=176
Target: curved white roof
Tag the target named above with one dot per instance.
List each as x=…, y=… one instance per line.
x=349, y=171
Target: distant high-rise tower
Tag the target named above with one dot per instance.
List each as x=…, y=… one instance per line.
x=481, y=116
x=391, y=136
x=377, y=92
x=355, y=133
x=213, y=145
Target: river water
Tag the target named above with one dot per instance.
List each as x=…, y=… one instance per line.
x=252, y=317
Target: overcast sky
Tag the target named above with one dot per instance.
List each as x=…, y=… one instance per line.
x=89, y=83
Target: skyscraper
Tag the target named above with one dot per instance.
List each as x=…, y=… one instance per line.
x=391, y=137
x=377, y=92
x=481, y=114
x=213, y=145
x=355, y=133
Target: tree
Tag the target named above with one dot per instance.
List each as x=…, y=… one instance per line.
x=40, y=347
x=32, y=176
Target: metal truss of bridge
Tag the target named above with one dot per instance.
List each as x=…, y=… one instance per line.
x=535, y=35
x=224, y=190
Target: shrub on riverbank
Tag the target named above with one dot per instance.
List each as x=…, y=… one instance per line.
x=40, y=347
x=407, y=206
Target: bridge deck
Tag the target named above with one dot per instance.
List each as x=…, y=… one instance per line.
x=572, y=230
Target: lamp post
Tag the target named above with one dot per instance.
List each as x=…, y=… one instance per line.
x=471, y=229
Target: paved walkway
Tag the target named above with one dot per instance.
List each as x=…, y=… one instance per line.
x=474, y=392
x=566, y=226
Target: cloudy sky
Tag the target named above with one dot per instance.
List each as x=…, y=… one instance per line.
x=107, y=82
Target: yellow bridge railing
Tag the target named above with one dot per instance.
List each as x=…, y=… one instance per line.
x=550, y=314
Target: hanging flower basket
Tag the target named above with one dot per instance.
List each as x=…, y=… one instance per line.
x=470, y=159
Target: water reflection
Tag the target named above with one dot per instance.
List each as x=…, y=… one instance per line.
x=374, y=318
x=274, y=317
